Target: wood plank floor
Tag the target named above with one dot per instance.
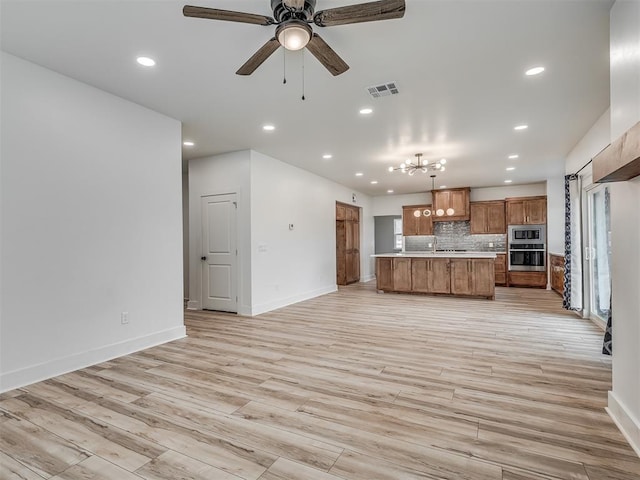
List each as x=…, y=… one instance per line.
x=351, y=385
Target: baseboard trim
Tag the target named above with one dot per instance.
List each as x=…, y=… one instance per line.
x=283, y=302
x=36, y=373
x=625, y=421
x=367, y=278
x=193, y=305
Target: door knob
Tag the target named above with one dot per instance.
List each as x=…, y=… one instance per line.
x=203, y=258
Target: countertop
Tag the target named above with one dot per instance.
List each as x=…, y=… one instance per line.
x=437, y=255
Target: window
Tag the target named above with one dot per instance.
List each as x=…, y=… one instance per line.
x=397, y=233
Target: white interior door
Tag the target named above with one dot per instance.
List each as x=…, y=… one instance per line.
x=220, y=254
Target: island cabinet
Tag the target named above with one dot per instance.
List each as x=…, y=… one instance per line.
x=470, y=276
x=451, y=204
x=430, y=275
x=526, y=210
x=488, y=217
x=402, y=274
x=415, y=222
x=436, y=274
x=500, y=269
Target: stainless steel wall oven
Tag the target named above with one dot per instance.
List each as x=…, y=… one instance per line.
x=527, y=248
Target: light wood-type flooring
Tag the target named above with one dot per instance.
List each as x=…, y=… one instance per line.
x=350, y=385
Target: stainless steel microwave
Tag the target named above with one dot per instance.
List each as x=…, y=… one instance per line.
x=527, y=234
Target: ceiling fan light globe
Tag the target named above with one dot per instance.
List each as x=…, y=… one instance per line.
x=390, y=169
x=294, y=36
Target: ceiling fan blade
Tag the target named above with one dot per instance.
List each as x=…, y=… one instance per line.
x=364, y=12
x=326, y=56
x=259, y=57
x=228, y=15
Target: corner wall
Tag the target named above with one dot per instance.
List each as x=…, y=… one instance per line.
x=91, y=225
x=624, y=398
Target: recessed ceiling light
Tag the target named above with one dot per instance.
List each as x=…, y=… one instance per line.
x=534, y=71
x=359, y=174
x=510, y=169
x=366, y=111
x=521, y=127
x=374, y=182
x=188, y=143
x=443, y=186
x=146, y=61
x=508, y=181
x=389, y=191
x=269, y=128
x=327, y=156
x=513, y=157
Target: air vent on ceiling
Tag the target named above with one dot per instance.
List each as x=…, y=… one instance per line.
x=383, y=90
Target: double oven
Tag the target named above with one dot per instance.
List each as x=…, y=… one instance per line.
x=527, y=248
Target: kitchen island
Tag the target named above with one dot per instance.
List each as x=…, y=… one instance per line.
x=469, y=274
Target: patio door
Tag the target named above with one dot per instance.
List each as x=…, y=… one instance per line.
x=598, y=251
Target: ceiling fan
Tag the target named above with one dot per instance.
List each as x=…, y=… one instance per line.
x=293, y=19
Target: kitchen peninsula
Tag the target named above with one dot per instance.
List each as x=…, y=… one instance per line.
x=469, y=274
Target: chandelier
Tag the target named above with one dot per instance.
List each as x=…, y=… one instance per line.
x=411, y=167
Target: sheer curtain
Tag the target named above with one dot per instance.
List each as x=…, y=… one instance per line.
x=572, y=298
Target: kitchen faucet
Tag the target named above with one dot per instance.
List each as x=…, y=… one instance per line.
x=435, y=241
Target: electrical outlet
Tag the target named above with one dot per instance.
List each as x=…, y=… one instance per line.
x=124, y=318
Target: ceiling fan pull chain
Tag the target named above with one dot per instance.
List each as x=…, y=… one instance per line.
x=284, y=66
x=303, y=76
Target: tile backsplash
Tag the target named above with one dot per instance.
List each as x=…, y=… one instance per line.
x=456, y=236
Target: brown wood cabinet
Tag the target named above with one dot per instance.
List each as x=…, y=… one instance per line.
x=347, y=244
x=416, y=225
x=488, y=217
x=472, y=276
x=527, y=279
x=430, y=275
x=402, y=274
x=526, y=210
x=384, y=274
x=500, y=269
x=456, y=199
x=556, y=265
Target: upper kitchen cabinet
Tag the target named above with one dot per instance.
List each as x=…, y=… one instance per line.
x=526, y=210
x=488, y=217
x=451, y=204
x=415, y=222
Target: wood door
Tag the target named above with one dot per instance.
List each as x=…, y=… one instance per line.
x=461, y=276
x=495, y=218
x=515, y=212
x=536, y=211
x=500, y=269
x=425, y=222
x=402, y=274
x=353, y=245
x=347, y=244
x=479, y=221
x=440, y=281
x=483, y=276
x=384, y=274
x=409, y=221
x=420, y=275
x=219, y=253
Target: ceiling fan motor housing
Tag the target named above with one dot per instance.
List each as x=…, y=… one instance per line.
x=281, y=13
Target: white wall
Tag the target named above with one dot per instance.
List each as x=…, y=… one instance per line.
x=185, y=234
x=278, y=266
x=91, y=225
x=301, y=263
x=594, y=141
x=624, y=399
x=555, y=216
x=221, y=174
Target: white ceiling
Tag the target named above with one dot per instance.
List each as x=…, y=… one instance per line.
x=459, y=66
